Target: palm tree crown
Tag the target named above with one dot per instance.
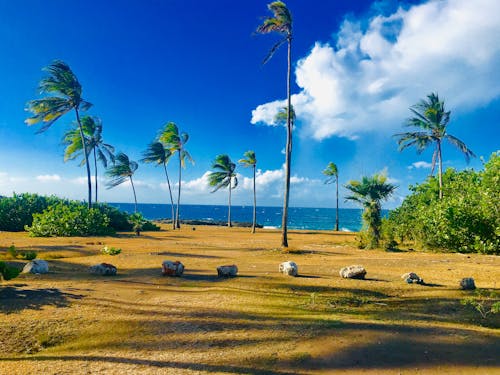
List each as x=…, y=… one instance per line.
x=176, y=142
x=223, y=176
x=369, y=193
x=250, y=160
x=64, y=94
x=122, y=170
x=332, y=173
x=281, y=23
x=431, y=117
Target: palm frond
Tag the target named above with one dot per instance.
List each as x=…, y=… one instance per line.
x=273, y=50
x=461, y=146
x=249, y=159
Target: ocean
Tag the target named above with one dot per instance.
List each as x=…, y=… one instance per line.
x=270, y=217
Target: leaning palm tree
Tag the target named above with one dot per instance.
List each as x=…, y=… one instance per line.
x=251, y=161
x=332, y=173
x=92, y=130
x=223, y=176
x=281, y=23
x=369, y=193
x=158, y=154
x=176, y=142
x=120, y=171
x=64, y=95
x=431, y=117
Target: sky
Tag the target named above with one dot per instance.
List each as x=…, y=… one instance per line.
x=357, y=67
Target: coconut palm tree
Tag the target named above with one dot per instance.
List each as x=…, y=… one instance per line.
x=120, y=171
x=369, y=193
x=64, y=94
x=281, y=23
x=332, y=173
x=251, y=161
x=176, y=142
x=157, y=153
x=92, y=130
x=432, y=119
x=223, y=176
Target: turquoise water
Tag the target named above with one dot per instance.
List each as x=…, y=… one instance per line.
x=298, y=217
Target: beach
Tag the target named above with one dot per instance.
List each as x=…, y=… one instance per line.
x=71, y=322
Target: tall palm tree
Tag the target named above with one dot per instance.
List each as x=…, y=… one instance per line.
x=332, y=173
x=176, y=142
x=369, y=193
x=157, y=153
x=251, y=161
x=92, y=130
x=223, y=176
x=120, y=171
x=281, y=23
x=64, y=95
x=431, y=117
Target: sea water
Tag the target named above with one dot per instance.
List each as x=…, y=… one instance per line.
x=270, y=217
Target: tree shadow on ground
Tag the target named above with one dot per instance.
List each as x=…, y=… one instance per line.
x=184, y=255
x=14, y=299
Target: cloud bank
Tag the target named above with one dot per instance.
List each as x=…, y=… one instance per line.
x=367, y=78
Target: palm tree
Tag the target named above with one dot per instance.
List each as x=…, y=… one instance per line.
x=431, y=117
x=251, y=161
x=157, y=153
x=369, y=193
x=176, y=142
x=281, y=23
x=223, y=176
x=120, y=171
x=65, y=95
x=92, y=130
x=332, y=173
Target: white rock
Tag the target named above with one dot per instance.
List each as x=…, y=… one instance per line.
x=289, y=268
x=36, y=266
x=227, y=271
x=103, y=269
x=412, y=277
x=353, y=272
x=171, y=268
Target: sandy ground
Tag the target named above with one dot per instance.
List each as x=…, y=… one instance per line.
x=261, y=322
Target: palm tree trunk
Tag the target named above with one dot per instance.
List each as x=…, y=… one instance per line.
x=254, y=203
x=440, y=170
x=284, y=221
x=135, y=198
x=85, y=153
x=95, y=173
x=171, y=198
x=337, y=206
x=177, y=223
x=229, y=205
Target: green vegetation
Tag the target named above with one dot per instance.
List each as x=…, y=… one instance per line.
x=251, y=161
x=176, y=142
x=120, y=171
x=483, y=302
x=332, y=173
x=432, y=119
x=369, y=193
x=223, y=176
x=7, y=272
x=13, y=253
x=110, y=250
x=281, y=23
x=466, y=219
x=66, y=93
x=158, y=154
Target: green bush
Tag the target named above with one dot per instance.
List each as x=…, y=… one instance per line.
x=73, y=219
x=7, y=272
x=26, y=255
x=111, y=250
x=118, y=220
x=466, y=219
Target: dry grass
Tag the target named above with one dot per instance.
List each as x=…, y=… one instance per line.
x=261, y=322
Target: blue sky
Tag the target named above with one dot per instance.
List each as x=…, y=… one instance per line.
x=357, y=67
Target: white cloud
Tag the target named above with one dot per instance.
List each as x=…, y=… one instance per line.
x=48, y=178
x=420, y=165
x=367, y=79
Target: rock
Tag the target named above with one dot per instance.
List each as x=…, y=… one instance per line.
x=36, y=266
x=353, y=272
x=412, y=277
x=170, y=268
x=103, y=269
x=289, y=268
x=467, y=283
x=227, y=271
